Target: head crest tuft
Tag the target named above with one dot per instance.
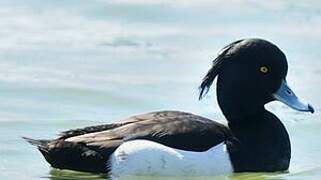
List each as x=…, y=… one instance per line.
x=217, y=65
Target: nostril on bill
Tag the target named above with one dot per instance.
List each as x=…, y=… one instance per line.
x=289, y=92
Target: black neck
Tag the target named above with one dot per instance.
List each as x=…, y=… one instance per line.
x=263, y=143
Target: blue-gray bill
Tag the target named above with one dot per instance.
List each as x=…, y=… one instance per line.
x=287, y=96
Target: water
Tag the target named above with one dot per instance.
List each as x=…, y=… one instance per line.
x=69, y=64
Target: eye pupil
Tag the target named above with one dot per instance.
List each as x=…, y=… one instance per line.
x=264, y=69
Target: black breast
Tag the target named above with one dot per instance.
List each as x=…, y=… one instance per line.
x=262, y=144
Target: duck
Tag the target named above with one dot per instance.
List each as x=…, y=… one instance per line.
x=249, y=74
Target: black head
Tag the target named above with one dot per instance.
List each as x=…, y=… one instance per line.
x=249, y=72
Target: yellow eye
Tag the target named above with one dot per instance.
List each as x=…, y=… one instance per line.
x=264, y=69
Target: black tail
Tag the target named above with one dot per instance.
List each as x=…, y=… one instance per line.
x=41, y=144
x=70, y=155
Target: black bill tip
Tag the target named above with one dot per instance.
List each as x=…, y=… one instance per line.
x=311, y=109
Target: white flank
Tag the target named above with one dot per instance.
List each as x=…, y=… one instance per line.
x=148, y=158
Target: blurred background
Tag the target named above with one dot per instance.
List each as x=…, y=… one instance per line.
x=72, y=63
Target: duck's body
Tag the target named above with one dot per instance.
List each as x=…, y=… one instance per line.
x=103, y=148
x=93, y=147
x=250, y=72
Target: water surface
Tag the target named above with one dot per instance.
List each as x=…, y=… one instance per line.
x=69, y=64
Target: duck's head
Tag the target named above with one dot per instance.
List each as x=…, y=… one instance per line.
x=251, y=73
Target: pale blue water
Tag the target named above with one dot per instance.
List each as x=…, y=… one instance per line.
x=69, y=64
